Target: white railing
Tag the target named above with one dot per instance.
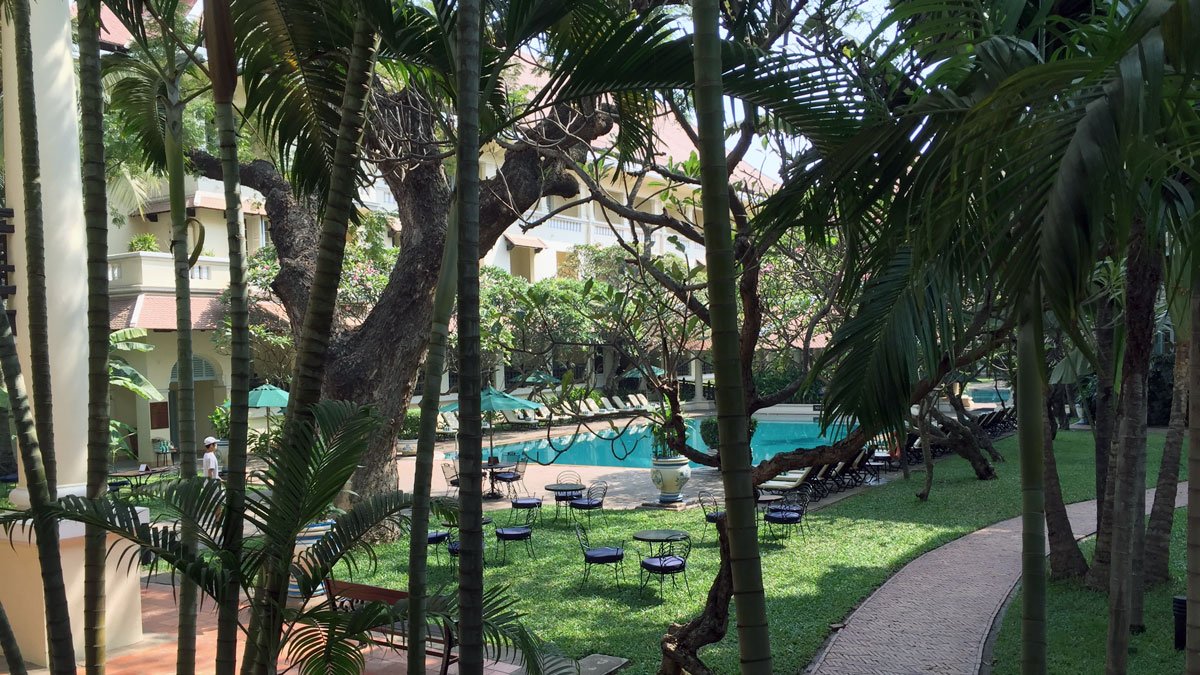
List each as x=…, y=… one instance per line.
x=200, y=272
x=114, y=272
x=565, y=224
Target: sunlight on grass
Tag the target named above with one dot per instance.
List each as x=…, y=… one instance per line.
x=848, y=550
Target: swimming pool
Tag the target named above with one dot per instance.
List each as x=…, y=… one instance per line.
x=632, y=448
x=988, y=394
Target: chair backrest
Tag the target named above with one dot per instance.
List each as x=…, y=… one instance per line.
x=597, y=491
x=522, y=464
x=589, y=405
x=582, y=535
x=143, y=467
x=568, y=477
x=708, y=502
x=794, y=500
x=449, y=472
x=680, y=548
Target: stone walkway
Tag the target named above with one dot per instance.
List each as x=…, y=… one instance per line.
x=935, y=614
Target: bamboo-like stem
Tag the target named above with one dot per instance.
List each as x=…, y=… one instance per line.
x=435, y=362
x=470, y=435
x=754, y=643
x=8, y=644
x=1030, y=407
x=95, y=216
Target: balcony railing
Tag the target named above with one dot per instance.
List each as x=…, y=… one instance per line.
x=149, y=272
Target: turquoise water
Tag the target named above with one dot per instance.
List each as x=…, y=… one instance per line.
x=631, y=447
x=988, y=395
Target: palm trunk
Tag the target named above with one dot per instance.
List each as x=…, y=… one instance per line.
x=266, y=620
x=95, y=212
x=754, y=644
x=435, y=361
x=1030, y=408
x=35, y=244
x=45, y=528
x=1162, y=513
x=185, y=655
x=8, y=644
x=470, y=436
x=926, y=450
x=1142, y=277
x=219, y=39
x=1066, y=560
x=1106, y=400
x=1192, y=656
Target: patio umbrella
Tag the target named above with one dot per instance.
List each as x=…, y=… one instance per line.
x=268, y=396
x=493, y=400
x=634, y=372
x=540, y=377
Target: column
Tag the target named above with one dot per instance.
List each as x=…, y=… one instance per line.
x=66, y=254
x=66, y=245
x=698, y=379
x=498, y=377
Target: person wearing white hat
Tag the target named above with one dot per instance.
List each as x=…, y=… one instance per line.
x=209, y=465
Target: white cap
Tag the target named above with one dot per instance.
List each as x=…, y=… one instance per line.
x=209, y=441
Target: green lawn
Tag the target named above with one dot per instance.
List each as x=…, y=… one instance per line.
x=1077, y=630
x=849, y=550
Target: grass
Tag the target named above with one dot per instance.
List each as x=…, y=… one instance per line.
x=1077, y=633
x=813, y=581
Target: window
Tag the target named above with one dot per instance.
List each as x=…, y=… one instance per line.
x=262, y=231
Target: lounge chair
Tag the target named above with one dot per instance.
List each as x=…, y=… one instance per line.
x=450, y=420
x=611, y=405
x=786, y=481
x=511, y=417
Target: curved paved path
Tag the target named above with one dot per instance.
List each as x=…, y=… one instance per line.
x=934, y=615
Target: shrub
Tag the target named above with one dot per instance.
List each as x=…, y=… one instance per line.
x=219, y=419
x=145, y=243
x=412, y=425
x=708, y=431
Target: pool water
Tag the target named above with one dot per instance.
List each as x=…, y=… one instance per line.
x=988, y=395
x=630, y=447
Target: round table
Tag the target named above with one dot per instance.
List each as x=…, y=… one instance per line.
x=768, y=499
x=487, y=520
x=660, y=536
x=563, y=489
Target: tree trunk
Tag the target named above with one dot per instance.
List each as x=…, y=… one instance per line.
x=95, y=213
x=682, y=642
x=1162, y=513
x=45, y=527
x=1106, y=399
x=737, y=475
x=926, y=450
x=435, y=362
x=470, y=436
x=266, y=615
x=1030, y=409
x=1142, y=276
x=968, y=420
x=1098, y=575
x=8, y=644
x=185, y=655
x=1192, y=657
x=219, y=41
x=1066, y=560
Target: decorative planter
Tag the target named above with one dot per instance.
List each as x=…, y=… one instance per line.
x=307, y=537
x=670, y=475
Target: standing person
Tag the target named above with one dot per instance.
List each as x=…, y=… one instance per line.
x=210, y=467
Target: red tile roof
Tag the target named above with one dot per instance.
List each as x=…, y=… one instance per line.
x=157, y=312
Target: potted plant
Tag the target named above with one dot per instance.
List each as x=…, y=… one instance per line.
x=670, y=471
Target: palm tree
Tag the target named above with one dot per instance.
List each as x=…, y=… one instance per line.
x=149, y=96
x=9, y=645
x=1031, y=407
x=1193, y=473
x=223, y=74
x=754, y=642
x=470, y=436
x=95, y=211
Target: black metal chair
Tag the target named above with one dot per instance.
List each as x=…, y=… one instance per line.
x=787, y=515
x=669, y=560
x=593, y=499
x=435, y=539
x=515, y=477
x=713, y=510
x=520, y=530
x=563, y=500
x=451, y=475
x=600, y=555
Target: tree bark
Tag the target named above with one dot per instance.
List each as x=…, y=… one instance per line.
x=968, y=420
x=1066, y=560
x=1142, y=278
x=1192, y=655
x=1162, y=512
x=1030, y=409
x=926, y=449
x=95, y=213
x=1106, y=400
x=10, y=647
x=737, y=474
x=682, y=642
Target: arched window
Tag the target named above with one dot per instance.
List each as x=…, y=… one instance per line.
x=201, y=371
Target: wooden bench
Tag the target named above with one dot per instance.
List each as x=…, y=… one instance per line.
x=346, y=596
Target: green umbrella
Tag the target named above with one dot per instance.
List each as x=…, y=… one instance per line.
x=540, y=377
x=493, y=400
x=634, y=372
x=268, y=396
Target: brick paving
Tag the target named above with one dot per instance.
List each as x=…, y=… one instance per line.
x=935, y=614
